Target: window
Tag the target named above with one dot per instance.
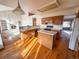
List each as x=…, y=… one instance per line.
x=67, y=24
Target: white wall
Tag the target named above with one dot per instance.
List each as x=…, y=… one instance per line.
x=75, y=34
x=26, y=20
x=10, y=17
x=38, y=20
x=13, y=18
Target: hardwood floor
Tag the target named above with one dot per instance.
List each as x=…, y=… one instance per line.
x=10, y=51
x=30, y=49
x=59, y=52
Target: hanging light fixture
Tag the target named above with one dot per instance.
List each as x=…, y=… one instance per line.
x=18, y=10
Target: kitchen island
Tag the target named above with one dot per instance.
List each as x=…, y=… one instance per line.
x=47, y=38
x=28, y=33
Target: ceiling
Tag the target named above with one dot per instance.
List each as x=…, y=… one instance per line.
x=66, y=6
x=4, y=8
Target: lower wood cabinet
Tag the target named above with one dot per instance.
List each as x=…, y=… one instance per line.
x=47, y=39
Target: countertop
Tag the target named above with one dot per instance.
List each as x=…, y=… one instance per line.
x=29, y=28
x=47, y=32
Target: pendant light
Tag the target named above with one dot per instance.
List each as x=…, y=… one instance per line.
x=18, y=10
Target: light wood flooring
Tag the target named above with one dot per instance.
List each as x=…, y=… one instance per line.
x=30, y=49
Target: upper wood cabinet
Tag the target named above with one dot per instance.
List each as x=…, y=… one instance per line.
x=58, y=20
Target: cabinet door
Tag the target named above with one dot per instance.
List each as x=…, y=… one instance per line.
x=58, y=20
x=34, y=21
x=46, y=20
x=46, y=40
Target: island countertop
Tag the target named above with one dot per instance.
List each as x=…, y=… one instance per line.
x=47, y=32
x=28, y=30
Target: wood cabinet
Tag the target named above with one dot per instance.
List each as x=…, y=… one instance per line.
x=58, y=20
x=34, y=21
x=46, y=20
x=47, y=38
x=29, y=33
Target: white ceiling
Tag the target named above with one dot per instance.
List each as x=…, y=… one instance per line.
x=5, y=8
x=33, y=5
